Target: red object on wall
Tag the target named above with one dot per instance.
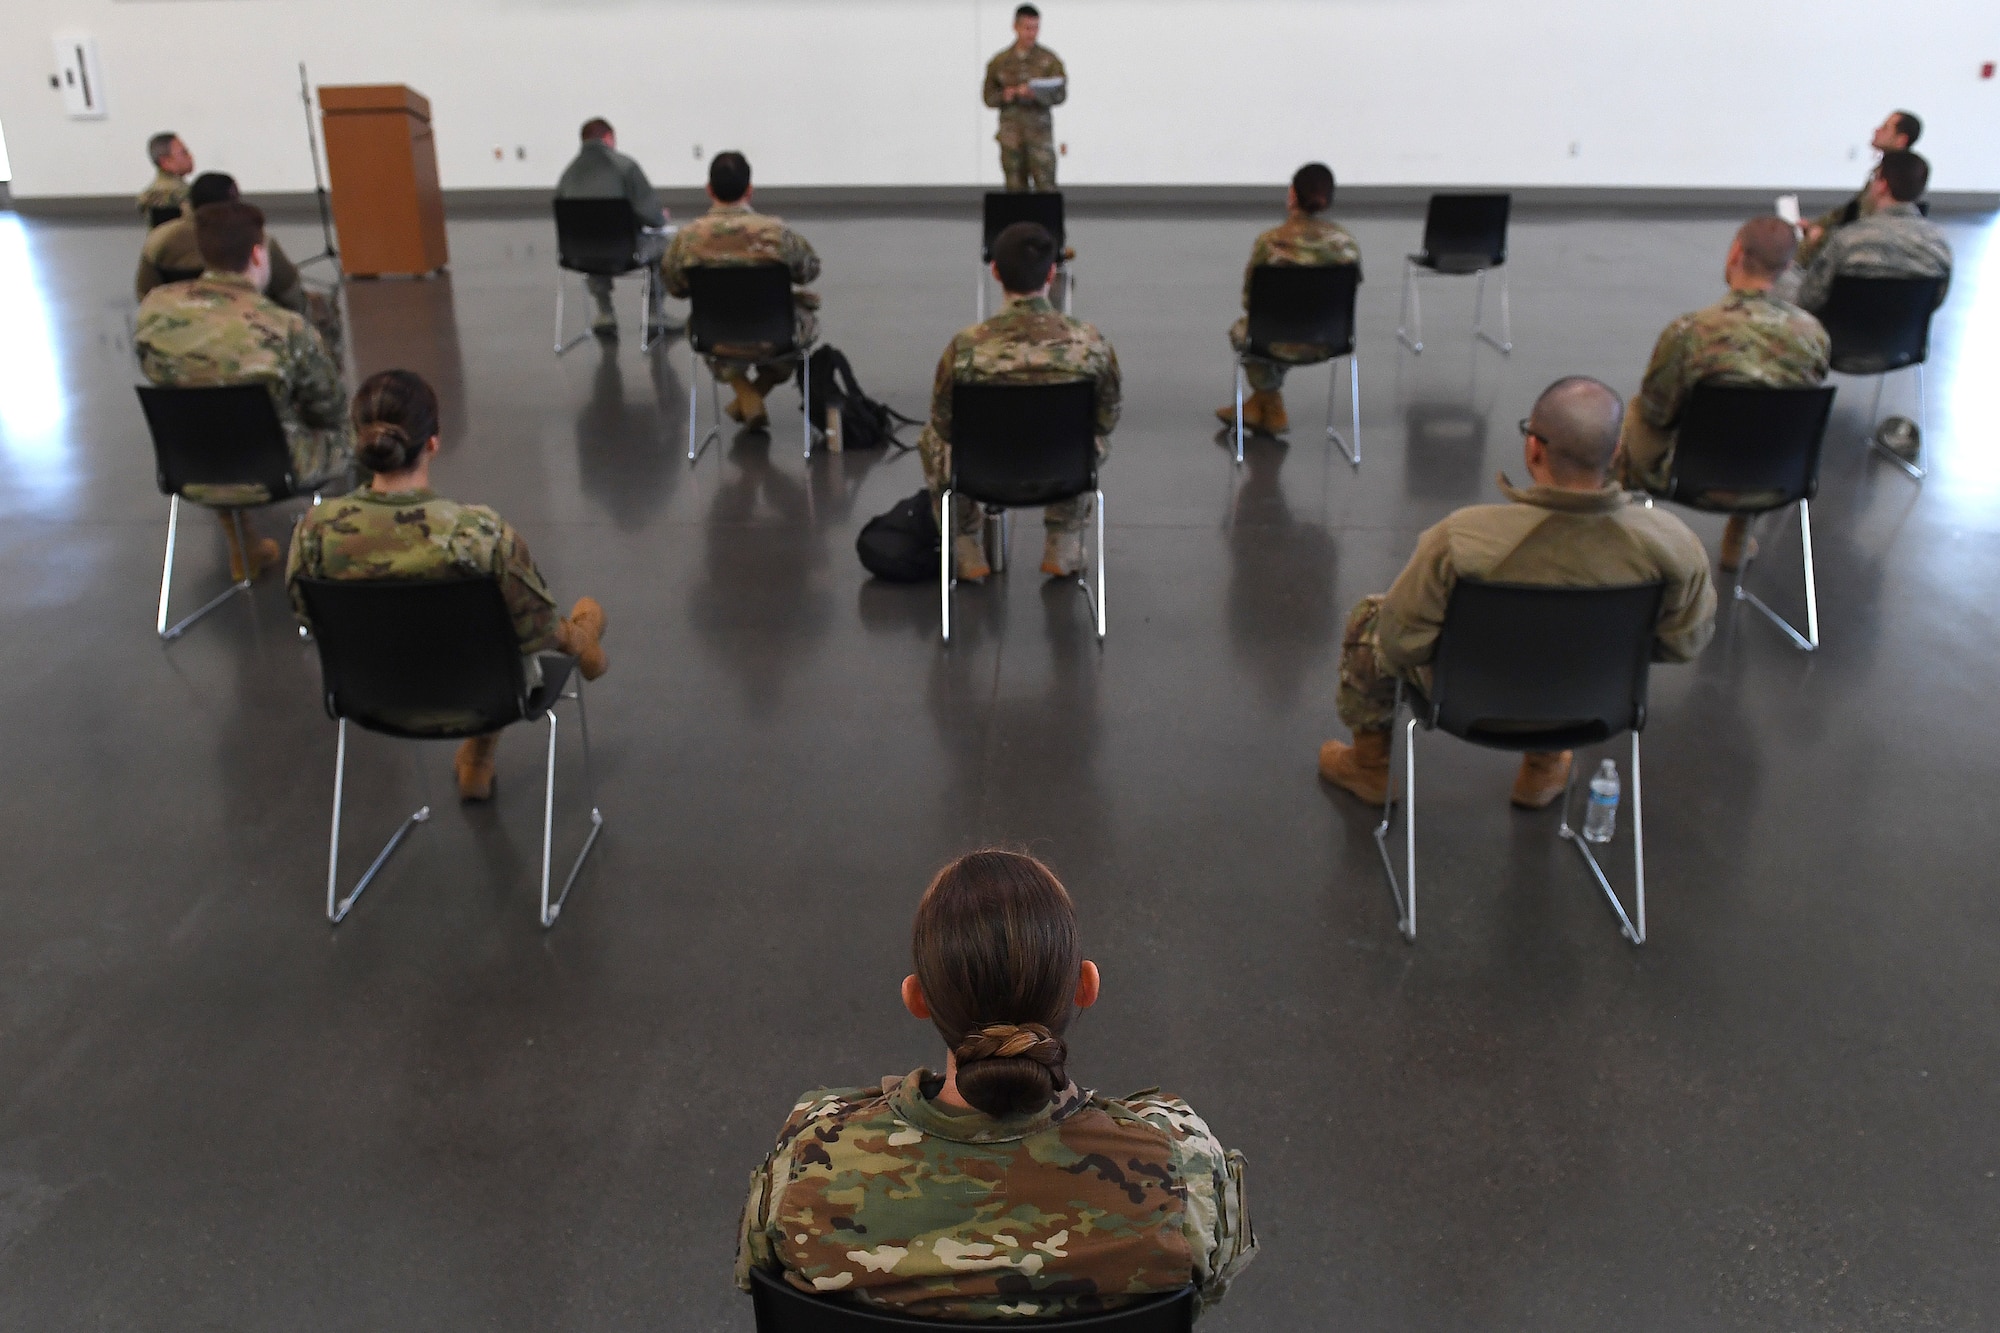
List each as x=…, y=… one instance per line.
x=1986, y=70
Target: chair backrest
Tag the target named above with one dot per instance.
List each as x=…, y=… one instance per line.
x=1879, y=324
x=217, y=435
x=1535, y=667
x=597, y=236
x=396, y=648
x=176, y=274
x=1292, y=303
x=161, y=214
x=1750, y=438
x=1024, y=444
x=1003, y=210
x=738, y=305
x=781, y=1308
x=1465, y=232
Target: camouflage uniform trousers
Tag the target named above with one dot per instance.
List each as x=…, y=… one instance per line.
x=1367, y=698
x=1268, y=376
x=1067, y=516
x=651, y=249
x=1028, y=162
x=731, y=363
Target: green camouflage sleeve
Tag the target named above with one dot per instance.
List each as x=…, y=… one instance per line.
x=147, y=278
x=753, y=1239
x=800, y=258
x=1110, y=392
x=674, y=267
x=286, y=287
x=992, y=91
x=1664, y=389
x=1260, y=253
x=1216, y=1221
x=314, y=380
x=527, y=595
x=941, y=390
x=1055, y=71
x=1413, y=608
x=302, y=562
x=1817, y=284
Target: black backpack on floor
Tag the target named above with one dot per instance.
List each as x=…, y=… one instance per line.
x=864, y=422
x=901, y=546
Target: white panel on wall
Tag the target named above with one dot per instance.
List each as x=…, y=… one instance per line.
x=82, y=75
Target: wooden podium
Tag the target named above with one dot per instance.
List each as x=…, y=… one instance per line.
x=382, y=162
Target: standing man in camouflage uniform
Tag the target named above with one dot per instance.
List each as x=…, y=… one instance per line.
x=998, y=1190
x=397, y=528
x=171, y=254
x=1303, y=240
x=1027, y=131
x=171, y=164
x=732, y=235
x=1028, y=342
x=1897, y=133
x=221, y=329
x=600, y=171
x=1572, y=528
x=1748, y=337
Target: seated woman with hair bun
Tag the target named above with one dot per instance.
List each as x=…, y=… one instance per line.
x=398, y=528
x=999, y=1188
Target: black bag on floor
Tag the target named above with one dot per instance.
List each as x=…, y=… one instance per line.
x=901, y=546
x=864, y=422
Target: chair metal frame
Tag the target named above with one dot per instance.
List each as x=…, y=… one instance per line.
x=1065, y=268
x=947, y=579
x=1353, y=358
x=1410, y=312
x=648, y=269
x=1631, y=926
x=698, y=366
x=781, y=1308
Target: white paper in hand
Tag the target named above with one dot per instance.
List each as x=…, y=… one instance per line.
x=1788, y=208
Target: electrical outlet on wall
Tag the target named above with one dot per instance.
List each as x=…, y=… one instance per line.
x=1575, y=148
x=520, y=152
x=697, y=152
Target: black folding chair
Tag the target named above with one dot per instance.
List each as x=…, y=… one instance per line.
x=1291, y=303
x=1003, y=210
x=393, y=650
x=221, y=435
x=1740, y=439
x=736, y=306
x=160, y=215
x=1879, y=325
x=1530, y=667
x=782, y=1308
x=168, y=275
x=599, y=238
x=1017, y=446
x=1463, y=233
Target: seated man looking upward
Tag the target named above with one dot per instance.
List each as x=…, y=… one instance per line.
x=1028, y=342
x=171, y=254
x=600, y=171
x=1570, y=529
x=221, y=329
x=1304, y=240
x=398, y=528
x=1898, y=132
x=998, y=1189
x=731, y=235
x=171, y=164
x=1890, y=240
x=1748, y=337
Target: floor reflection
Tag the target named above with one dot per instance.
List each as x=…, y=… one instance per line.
x=412, y=326
x=627, y=455
x=1279, y=603
x=33, y=404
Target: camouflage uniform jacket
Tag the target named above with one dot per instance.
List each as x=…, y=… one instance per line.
x=1579, y=539
x=886, y=1196
x=166, y=190
x=1748, y=337
x=170, y=249
x=418, y=535
x=599, y=171
x=1895, y=241
x=1028, y=342
x=219, y=329
x=1300, y=241
x=1023, y=121
x=734, y=235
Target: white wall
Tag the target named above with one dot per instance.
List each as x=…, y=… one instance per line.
x=1701, y=93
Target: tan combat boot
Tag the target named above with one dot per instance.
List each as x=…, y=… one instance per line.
x=264, y=551
x=474, y=765
x=1738, y=546
x=1253, y=413
x=1361, y=769
x=1542, y=779
x=581, y=635
x=968, y=558
x=748, y=407
x=1270, y=408
x=1062, y=555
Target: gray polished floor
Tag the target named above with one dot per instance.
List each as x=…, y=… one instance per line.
x=216, y=1113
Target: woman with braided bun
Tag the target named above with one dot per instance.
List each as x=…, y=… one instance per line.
x=998, y=1188
x=398, y=528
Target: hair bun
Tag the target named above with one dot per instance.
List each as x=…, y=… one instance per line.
x=1013, y=1041
x=386, y=434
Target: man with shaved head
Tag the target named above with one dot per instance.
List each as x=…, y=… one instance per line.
x=1748, y=337
x=1571, y=528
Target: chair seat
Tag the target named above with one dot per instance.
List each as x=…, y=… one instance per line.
x=1873, y=363
x=602, y=268
x=556, y=670
x=1537, y=735
x=1456, y=264
x=1259, y=352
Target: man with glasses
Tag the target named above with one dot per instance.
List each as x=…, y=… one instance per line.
x=1571, y=528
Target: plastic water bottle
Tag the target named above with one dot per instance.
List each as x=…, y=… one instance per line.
x=1600, y=816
